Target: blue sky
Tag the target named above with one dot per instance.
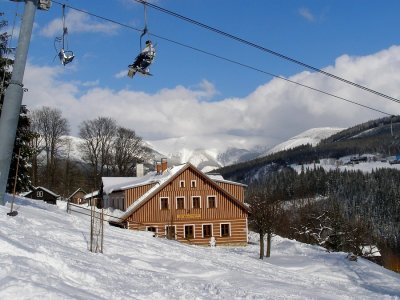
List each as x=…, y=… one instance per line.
x=195, y=95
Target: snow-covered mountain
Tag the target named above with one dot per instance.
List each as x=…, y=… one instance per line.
x=191, y=149
x=312, y=136
x=44, y=255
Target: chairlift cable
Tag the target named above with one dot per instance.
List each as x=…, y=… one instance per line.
x=227, y=59
x=64, y=28
x=145, y=30
x=254, y=45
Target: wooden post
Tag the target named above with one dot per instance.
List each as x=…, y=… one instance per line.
x=11, y=213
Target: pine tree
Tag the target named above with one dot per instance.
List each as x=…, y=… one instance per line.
x=23, y=134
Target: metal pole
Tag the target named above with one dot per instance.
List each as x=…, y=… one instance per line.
x=13, y=96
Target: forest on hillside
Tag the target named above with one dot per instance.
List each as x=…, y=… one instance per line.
x=380, y=137
x=339, y=210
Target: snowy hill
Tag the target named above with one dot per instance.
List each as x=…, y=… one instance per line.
x=43, y=255
x=311, y=136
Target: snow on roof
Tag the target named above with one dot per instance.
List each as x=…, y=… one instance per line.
x=111, y=184
x=90, y=195
x=76, y=192
x=47, y=191
x=149, y=178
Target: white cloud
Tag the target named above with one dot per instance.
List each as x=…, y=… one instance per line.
x=77, y=22
x=306, y=14
x=274, y=112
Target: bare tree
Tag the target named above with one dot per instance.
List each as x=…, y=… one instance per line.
x=49, y=127
x=265, y=214
x=128, y=149
x=98, y=136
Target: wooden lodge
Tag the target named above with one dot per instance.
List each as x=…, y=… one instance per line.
x=41, y=193
x=181, y=203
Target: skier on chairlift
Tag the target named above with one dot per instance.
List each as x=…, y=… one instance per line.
x=65, y=56
x=143, y=60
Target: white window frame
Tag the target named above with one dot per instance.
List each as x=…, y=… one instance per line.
x=193, y=183
x=176, y=202
x=39, y=194
x=165, y=230
x=182, y=184
x=208, y=197
x=156, y=227
x=220, y=229
x=194, y=230
x=199, y=201
x=167, y=203
x=202, y=230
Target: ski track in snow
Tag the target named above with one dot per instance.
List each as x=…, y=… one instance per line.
x=44, y=255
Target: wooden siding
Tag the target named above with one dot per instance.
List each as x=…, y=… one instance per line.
x=116, y=200
x=78, y=197
x=238, y=231
x=131, y=195
x=235, y=190
x=226, y=210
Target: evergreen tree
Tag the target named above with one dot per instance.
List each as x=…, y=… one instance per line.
x=23, y=134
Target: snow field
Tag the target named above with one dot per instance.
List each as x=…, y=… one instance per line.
x=44, y=255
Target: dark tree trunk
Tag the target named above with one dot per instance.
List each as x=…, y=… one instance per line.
x=261, y=245
x=269, y=234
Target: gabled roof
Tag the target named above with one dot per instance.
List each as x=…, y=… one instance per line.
x=78, y=190
x=43, y=189
x=163, y=180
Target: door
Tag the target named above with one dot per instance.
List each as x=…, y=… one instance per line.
x=170, y=232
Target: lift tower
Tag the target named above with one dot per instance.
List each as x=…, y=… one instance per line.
x=14, y=93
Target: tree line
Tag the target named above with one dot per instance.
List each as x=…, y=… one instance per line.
x=338, y=210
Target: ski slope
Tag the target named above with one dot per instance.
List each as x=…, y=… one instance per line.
x=44, y=255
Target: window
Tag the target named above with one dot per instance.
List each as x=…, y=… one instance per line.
x=193, y=183
x=196, y=202
x=225, y=230
x=211, y=202
x=180, y=203
x=151, y=228
x=189, y=231
x=39, y=194
x=207, y=230
x=164, y=203
x=182, y=183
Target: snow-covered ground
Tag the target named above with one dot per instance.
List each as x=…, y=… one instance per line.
x=44, y=255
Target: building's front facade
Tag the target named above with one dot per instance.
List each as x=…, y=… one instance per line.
x=185, y=204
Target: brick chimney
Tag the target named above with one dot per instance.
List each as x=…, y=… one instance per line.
x=164, y=165
x=158, y=167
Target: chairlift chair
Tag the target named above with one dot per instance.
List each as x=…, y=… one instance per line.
x=65, y=56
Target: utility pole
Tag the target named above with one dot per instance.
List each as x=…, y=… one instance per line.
x=13, y=96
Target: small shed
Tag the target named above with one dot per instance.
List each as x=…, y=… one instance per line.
x=78, y=197
x=41, y=193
